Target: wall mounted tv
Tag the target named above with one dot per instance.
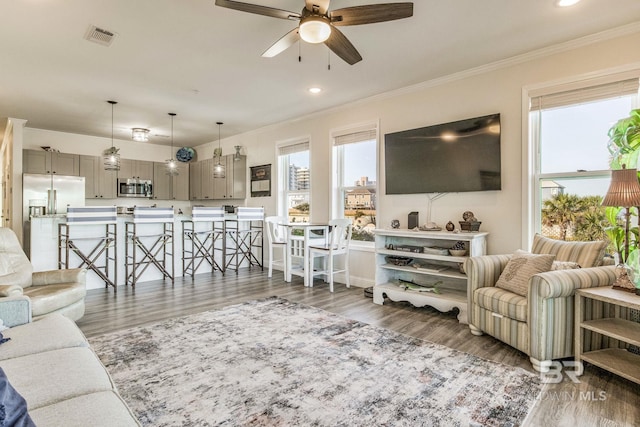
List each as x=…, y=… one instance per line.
x=446, y=158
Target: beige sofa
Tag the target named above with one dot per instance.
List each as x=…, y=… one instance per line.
x=55, y=291
x=49, y=362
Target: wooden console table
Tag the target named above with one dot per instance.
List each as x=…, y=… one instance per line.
x=617, y=360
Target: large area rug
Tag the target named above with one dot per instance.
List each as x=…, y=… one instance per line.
x=276, y=363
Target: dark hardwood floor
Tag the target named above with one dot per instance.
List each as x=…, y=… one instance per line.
x=599, y=399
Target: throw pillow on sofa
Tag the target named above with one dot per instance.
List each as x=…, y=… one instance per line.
x=520, y=268
x=585, y=254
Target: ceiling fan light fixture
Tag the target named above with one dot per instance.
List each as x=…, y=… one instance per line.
x=140, y=134
x=314, y=29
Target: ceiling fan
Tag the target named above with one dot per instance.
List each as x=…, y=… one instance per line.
x=318, y=24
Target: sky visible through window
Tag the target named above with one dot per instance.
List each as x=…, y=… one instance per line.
x=359, y=160
x=575, y=138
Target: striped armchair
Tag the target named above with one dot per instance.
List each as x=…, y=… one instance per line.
x=541, y=324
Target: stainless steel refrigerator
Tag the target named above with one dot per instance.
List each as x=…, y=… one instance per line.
x=54, y=192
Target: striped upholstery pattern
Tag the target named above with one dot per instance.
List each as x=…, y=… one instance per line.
x=546, y=332
x=250, y=214
x=201, y=213
x=92, y=215
x=502, y=302
x=586, y=254
x=151, y=215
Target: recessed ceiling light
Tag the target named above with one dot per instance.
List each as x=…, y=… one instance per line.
x=315, y=90
x=566, y=3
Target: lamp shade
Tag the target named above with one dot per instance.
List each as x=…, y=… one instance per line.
x=624, y=189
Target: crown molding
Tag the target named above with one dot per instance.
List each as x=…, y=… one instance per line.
x=493, y=66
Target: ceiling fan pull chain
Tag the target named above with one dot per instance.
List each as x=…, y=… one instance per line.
x=299, y=52
x=328, y=60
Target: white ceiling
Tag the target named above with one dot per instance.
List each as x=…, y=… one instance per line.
x=203, y=62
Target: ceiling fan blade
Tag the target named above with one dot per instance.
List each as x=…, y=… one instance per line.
x=283, y=44
x=257, y=9
x=370, y=14
x=342, y=47
x=321, y=5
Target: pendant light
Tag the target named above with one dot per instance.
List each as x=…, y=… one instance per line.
x=218, y=169
x=171, y=166
x=110, y=156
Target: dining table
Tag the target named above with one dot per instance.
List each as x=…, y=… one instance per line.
x=297, y=247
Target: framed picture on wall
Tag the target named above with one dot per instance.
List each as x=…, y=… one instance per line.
x=261, y=181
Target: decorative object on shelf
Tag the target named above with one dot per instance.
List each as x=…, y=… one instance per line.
x=395, y=223
x=433, y=250
x=140, y=134
x=237, y=156
x=409, y=248
x=624, y=191
x=458, y=249
x=450, y=226
x=413, y=220
x=413, y=286
x=185, y=154
x=218, y=169
x=110, y=156
x=470, y=222
x=461, y=268
x=398, y=260
x=430, y=226
x=170, y=165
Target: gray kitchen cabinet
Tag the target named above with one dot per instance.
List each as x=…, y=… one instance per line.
x=205, y=187
x=195, y=184
x=49, y=162
x=138, y=169
x=168, y=187
x=99, y=183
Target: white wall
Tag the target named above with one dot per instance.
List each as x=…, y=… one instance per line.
x=491, y=89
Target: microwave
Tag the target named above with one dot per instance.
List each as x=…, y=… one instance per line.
x=135, y=188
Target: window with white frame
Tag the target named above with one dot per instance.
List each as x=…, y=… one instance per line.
x=568, y=135
x=355, y=162
x=294, y=181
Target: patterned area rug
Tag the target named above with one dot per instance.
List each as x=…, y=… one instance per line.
x=276, y=363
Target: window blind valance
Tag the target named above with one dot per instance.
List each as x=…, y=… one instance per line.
x=351, y=138
x=585, y=94
x=293, y=148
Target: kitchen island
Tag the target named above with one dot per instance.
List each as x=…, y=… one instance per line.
x=44, y=250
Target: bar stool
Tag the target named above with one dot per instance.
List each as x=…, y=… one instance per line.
x=244, y=238
x=149, y=242
x=93, y=243
x=203, y=237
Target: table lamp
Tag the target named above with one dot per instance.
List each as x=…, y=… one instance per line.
x=624, y=191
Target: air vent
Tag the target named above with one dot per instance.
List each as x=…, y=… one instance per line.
x=99, y=35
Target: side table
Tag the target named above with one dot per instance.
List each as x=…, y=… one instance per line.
x=617, y=360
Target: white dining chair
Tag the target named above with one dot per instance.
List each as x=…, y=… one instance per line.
x=277, y=239
x=337, y=244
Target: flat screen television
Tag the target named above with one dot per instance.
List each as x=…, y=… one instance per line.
x=446, y=158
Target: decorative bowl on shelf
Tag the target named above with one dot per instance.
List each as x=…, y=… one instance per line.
x=470, y=225
x=398, y=260
x=457, y=252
